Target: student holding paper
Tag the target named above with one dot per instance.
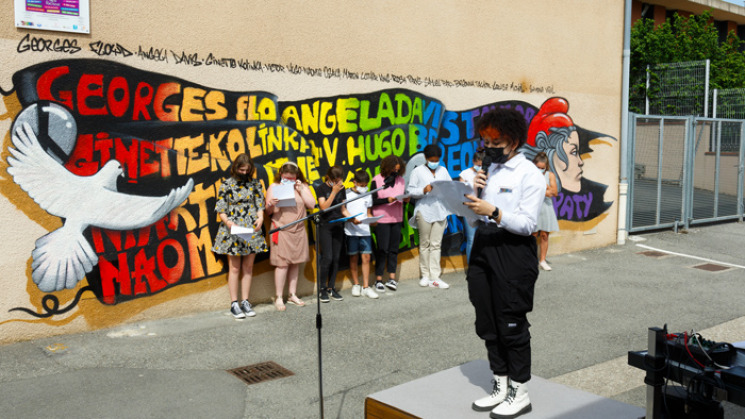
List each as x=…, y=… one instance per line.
x=430, y=216
x=388, y=229
x=359, y=241
x=288, y=247
x=240, y=203
x=331, y=235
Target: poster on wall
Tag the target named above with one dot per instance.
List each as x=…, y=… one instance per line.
x=54, y=15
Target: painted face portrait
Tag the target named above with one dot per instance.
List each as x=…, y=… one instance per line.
x=552, y=131
x=568, y=163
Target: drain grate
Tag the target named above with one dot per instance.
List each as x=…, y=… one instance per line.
x=711, y=267
x=653, y=253
x=263, y=371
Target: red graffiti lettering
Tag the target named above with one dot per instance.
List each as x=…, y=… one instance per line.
x=94, y=94
x=144, y=269
x=111, y=275
x=44, y=86
x=139, y=158
x=91, y=87
x=142, y=273
x=171, y=274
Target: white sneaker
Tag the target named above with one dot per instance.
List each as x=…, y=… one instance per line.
x=439, y=283
x=369, y=293
x=424, y=282
x=498, y=394
x=356, y=290
x=543, y=265
x=515, y=404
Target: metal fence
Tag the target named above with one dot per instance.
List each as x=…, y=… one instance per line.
x=682, y=174
x=680, y=88
x=730, y=104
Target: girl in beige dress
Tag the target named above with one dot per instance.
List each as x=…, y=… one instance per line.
x=288, y=248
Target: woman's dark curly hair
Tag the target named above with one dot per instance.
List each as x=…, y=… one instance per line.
x=508, y=122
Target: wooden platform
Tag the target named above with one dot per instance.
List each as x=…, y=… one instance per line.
x=449, y=394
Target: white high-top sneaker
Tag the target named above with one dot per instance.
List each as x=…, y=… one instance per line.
x=498, y=394
x=515, y=404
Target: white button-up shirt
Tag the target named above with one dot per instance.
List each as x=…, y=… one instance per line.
x=517, y=188
x=431, y=208
x=468, y=176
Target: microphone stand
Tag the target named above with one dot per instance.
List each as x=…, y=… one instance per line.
x=316, y=218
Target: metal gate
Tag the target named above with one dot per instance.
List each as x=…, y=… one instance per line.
x=686, y=170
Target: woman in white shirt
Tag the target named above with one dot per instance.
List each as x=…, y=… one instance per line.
x=504, y=265
x=430, y=216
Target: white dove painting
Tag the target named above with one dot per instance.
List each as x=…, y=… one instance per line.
x=63, y=257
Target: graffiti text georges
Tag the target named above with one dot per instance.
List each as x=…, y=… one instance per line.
x=38, y=44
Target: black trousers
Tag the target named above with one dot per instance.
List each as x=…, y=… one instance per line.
x=331, y=237
x=501, y=282
x=387, y=238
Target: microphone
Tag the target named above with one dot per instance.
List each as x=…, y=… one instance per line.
x=485, y=163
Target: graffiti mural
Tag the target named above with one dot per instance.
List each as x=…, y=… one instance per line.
x=130, y=162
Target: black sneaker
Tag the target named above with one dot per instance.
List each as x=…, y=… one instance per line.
x=235, y=310
x=392, y=284
x=324, y=296
x=247, y=309
x=335, y=295
x=379, y=287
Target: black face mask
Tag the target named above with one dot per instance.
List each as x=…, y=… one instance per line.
x=243, y=178
x=494, y=155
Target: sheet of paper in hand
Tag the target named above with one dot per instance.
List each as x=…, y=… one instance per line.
x=243, y=232
x=452, y=195
x=370, y=220
x=285, y=194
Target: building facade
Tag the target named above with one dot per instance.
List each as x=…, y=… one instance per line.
x=115, y=142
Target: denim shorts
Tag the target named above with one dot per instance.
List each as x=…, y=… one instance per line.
x=359, y=244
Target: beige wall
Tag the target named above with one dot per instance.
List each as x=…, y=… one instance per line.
x=462, y=55
x=646, y=153
x=705, y=169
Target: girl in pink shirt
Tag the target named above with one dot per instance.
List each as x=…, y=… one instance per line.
x=388, y=229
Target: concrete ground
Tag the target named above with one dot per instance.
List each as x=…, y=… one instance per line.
x=590, y=310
